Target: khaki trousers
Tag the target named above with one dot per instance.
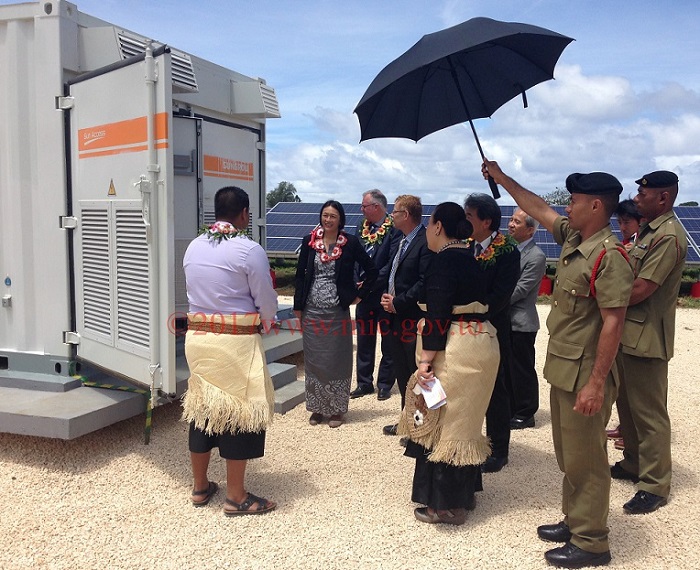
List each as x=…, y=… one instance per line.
x=580, y=446
x=644, y=421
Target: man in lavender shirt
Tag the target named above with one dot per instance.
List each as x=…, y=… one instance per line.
x=230, y=399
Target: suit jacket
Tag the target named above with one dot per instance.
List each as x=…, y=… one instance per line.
x=382, y=255
x=523, y=313
x=501, y=277
x=353, y=252
x=409, y=278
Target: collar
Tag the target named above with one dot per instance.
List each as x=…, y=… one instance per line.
x=414, y=233
x=590, y=245
x=656, y=223
x=524, y=244
x=488, y=240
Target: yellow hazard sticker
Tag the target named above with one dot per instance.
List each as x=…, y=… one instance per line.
x=112, y=191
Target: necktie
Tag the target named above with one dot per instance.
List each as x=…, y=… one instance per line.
x=478, y=248
x=369, y=248
x=395, y=266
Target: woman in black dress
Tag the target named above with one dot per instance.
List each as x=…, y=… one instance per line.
x=458, y=346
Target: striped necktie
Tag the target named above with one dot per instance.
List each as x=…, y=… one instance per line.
x=395, y=266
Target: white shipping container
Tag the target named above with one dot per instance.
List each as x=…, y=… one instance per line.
x=111, y=149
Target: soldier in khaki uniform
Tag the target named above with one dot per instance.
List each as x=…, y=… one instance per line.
x=658, y=258
x=592, y=290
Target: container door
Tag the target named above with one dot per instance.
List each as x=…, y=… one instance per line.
x=122, y=180
x=231, y=157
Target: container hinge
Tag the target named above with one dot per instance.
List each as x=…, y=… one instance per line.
x=68, y=222
x=64, y=103
x=70, y=337
x=260, y=145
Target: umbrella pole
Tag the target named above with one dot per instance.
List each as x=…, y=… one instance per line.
x=492, y=182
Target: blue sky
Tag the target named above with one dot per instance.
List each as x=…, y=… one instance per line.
x=626, y=98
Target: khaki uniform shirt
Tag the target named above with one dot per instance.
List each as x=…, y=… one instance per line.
x=575, y=321
x=658, y=255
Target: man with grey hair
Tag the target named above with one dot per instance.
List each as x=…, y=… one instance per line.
x=379, y=237
x=524, y=322
x=498, y=256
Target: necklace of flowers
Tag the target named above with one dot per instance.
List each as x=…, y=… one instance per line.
x=222, y=230
x=316, y=242
x=375, y=238
x=502, y=243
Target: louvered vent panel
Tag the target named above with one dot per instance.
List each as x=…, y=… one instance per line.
x=132, y=279
x=182, y=70
x=209, y=217
x=269, y=99
x=94, y=226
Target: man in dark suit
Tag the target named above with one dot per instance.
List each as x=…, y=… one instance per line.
x=405, y=289
x=377, y=234
x=524, y=322
x=499, y=259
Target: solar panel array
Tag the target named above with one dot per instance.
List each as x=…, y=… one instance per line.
x=289, y=222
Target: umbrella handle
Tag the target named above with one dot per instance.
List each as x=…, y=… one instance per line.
x=494, y=188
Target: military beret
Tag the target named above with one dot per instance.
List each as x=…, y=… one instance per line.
x=658, y=179
x=595, y=183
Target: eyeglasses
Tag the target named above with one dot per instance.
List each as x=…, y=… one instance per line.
x=399, y=212
x=365, y=206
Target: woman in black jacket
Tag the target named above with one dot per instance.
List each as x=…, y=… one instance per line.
x=324, y=290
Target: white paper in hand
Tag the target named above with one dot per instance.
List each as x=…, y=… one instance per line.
x=435, y=397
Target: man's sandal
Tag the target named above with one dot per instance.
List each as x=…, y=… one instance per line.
x=264, y=506
x=208, y=493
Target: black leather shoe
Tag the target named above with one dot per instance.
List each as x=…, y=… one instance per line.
x=618, y=472
x=494, y=464
x=359, y=392
x=643, y=502
x=383, y=394
x=390, y=430
x=554, y=532
x=571, y=556
x=522, y=423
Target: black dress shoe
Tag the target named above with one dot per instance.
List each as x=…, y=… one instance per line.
x=618, y=472
x=494, y=464
x=383, y=394
x=390, y=429
x=522, y=423
x=571, y=556
x=643, y=502
x=359, y=392
x=554, y=532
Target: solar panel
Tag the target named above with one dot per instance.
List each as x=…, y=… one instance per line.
x=288, y=222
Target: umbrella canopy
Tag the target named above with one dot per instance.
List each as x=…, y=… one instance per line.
x=455, y=75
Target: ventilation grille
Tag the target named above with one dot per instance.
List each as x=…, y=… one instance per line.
x=272, y=107
x=95, y=266
x=132, y=266
x=182, y=70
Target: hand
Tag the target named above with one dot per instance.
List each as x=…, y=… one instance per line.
x=589, y=400
x=387, y=303
x=425, y=376
x=491, y=168
x=356, y=301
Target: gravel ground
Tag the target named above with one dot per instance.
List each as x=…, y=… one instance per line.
x=107, y=501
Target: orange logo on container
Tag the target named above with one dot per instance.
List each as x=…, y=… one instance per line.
x=221, y=167
x=123, y=136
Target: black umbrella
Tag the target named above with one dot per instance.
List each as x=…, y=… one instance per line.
x=462, y=73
